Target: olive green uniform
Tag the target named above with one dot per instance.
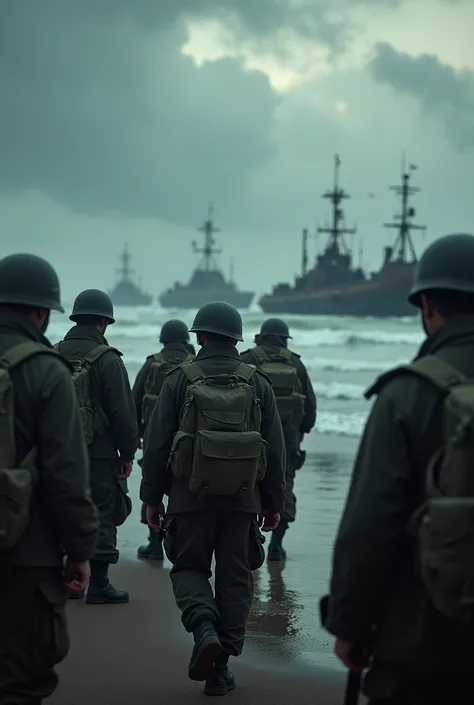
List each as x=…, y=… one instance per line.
x=374, y=581
x=169, y=351
x=272, y=345
x=224, y=526
x=110, y=388
x=63, y=519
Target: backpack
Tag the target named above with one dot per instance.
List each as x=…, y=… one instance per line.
x=159, y=368
x=218, y=449
x=94, y=420
x=17, y=482
x=444, y=524
x=286, y=385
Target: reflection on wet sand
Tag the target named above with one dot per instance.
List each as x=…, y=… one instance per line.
x=284, y=622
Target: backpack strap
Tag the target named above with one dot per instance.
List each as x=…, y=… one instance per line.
x=192, y=371
x=429, y=367
x=259, y=354
x=21, y=352
x=97, y=353
x=286, y=354
x=245, y=371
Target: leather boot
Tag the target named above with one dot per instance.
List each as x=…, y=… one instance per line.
x=221, y=679
x=276, y=552
x=153, y=550
x=207, y=649
x=100, y=590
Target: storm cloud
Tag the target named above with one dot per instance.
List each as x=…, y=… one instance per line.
x=441, y=90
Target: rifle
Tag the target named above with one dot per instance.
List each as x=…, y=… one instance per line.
x=351, y=695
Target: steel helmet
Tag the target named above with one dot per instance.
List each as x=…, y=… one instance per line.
x=220, y=318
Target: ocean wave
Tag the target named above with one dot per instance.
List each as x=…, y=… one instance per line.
x=334, y=423
x=328, y=364
x=342, y=391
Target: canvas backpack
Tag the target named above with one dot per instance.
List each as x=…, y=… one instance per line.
x=159, y=368
x=17, y=481
x=280, y=369
x=93, y=417
x=218, y=449
x=444, y=524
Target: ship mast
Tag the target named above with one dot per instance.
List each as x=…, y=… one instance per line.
x=404, y=224
x=304, y=257
x=125, y=270
x=208, y=228
x=337, y=230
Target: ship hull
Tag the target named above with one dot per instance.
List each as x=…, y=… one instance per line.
x=193, y=299
x=369, y=299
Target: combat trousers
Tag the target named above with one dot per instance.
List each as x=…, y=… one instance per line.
x=191, y=541
x=105, y=489
x=33, y=633
x=289, y=511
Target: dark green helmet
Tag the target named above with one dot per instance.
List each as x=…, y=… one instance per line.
x=28, y=280
x=448, y=263
x=275, y=326
x=174, y=331
x=93, y=302
x=219, y=318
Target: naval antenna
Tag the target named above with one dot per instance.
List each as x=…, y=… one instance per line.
x=404, y=224
x=208, y=251
x=337, y=230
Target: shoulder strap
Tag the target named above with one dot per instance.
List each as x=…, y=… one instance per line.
x=259, y=354
x=192, y=371
x=18, y=353
x=286, y=354
x=156, y=357
x=245, y=371
x=430, y=367
x=97, y=353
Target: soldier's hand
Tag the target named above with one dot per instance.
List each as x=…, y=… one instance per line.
x=125, y=469
x=269, y=521
x=354, y=656
x=77, y=575
x=154, y=516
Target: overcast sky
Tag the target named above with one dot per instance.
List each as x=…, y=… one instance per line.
x=121, y=120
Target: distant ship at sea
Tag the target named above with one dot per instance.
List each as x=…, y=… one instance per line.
x=207, y=282
x=334, y=286
x=125, y=291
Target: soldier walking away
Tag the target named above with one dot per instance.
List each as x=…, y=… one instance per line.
x=402, y=588
x=174, y=337
x=214, y=444
x=46, y=508
x=296, y=404
x=110, y=427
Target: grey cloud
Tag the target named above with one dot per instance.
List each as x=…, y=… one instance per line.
x=103, y=116
x=442, y=91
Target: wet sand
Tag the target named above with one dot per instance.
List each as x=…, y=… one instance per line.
x=138, y=653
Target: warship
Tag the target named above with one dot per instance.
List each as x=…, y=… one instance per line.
x=207, y=283
x=334, y=287
x=125, y=292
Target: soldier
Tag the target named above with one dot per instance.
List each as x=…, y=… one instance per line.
x=110, y=426
x=174, y=337
x=213, y=431
x=45, y=502
x=296, y=404
x=402, y=587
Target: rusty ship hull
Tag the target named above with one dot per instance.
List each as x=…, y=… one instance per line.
x=378, y=297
